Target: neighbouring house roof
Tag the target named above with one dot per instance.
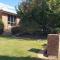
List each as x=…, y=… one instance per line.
x=7, y=8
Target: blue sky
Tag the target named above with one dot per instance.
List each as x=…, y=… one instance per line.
x=11, y=2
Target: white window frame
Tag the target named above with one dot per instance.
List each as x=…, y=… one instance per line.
x=10, y=21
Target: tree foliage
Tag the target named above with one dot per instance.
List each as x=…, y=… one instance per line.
x=40, y=15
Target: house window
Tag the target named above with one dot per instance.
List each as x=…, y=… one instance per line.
x=11, y=20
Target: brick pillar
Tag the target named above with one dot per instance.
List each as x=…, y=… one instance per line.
x=54, y=46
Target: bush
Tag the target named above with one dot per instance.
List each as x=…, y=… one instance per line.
x=57, y=30
x=15, y=30
x=1, y=27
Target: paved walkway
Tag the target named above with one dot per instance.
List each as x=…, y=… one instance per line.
x=42, y=57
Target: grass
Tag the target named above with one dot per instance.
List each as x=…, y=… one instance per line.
x=20, y=49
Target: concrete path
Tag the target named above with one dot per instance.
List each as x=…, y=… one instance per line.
x=42, y=57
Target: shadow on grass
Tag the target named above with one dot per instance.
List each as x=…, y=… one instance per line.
x=34, y=50
x=7, y=37
x=22, y=37
x=44, y=52
x=39, y=51
x=18, y=58
x=32, y=37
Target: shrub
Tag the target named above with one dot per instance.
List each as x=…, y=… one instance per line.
x=1, y=27
x=57, y=30
x=15, y=30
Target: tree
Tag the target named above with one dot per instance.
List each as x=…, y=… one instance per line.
x=54, y=14
x=45, y=14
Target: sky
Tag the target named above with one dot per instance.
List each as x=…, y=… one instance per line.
x=9, y=5
x=11, y=2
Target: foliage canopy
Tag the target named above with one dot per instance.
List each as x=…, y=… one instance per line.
x=40, y=15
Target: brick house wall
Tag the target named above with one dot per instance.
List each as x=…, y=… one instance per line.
x=5, y=21
x=4, y=18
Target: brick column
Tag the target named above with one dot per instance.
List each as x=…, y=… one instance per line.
x=54, y=46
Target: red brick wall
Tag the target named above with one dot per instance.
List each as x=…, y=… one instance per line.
x=53, y=45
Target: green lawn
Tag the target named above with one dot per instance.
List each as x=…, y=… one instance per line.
x=19, y=49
